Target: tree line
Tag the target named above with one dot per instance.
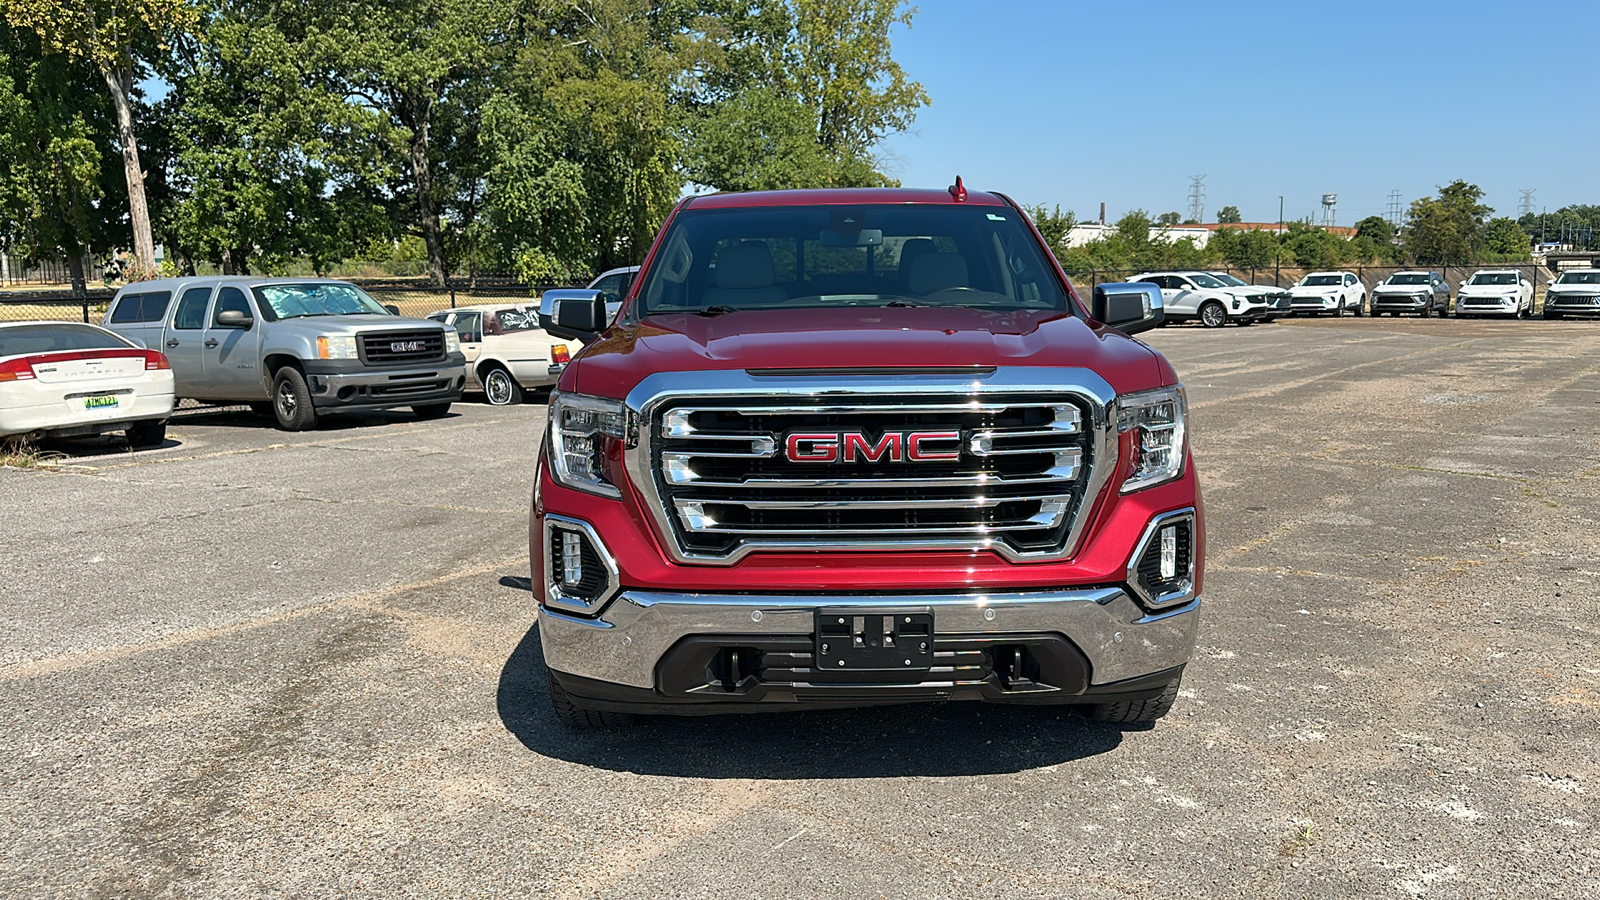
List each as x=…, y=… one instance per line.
x=1452, y=227
x=542, y=138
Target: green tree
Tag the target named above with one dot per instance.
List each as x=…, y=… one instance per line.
x=1447, y=229
x=117, y=37
x=1229, y=214
x=52, y=142
x=1314, y=247
x=1169, y=219
x=1053, y=225
x=1504, y=237
x=1252, y=249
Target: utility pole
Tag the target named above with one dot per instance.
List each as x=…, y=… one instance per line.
x=1525, y=208
x=1277, y=246
x=1197, y=197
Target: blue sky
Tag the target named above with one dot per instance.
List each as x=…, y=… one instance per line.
x=1059, y=101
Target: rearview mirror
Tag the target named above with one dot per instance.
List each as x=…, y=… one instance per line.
x=574, y=314
x=866, y=237
x=1128, y=306
x=232, y=318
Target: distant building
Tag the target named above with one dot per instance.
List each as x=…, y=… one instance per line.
x=1085, y=233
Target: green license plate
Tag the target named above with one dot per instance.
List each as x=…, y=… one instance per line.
x=102, y=402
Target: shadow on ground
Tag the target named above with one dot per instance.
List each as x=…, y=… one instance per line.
x=934, y=739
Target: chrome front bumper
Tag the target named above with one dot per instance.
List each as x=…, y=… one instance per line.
x=623, y=646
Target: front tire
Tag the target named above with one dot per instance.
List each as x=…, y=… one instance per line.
x=291, y=401
x=146, y=434
x=1212, y=315
x=1361, y=306
x=500, y=389
x=1136, y=711
x=575, y=715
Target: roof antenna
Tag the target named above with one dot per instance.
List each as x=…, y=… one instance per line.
x=958, y=190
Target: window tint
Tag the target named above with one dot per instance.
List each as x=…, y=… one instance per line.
x=191, y=312
x=469, y=326
x=230, y=299
x=56, y=337
x=151, y=307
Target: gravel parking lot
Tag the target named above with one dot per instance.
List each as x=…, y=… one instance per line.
x=256, y=663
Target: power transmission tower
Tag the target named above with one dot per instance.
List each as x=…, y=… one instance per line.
x=1394, y=209
x=1525, y=208
x=1197, y=198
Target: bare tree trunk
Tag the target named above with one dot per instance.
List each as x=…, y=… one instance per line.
x=80, y=286
x=420, y=113
x=120, y=81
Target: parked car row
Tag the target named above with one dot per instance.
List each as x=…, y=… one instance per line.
x=1216, y=299
x=294, y=349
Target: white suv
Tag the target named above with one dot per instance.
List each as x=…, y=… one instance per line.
x=1495, y=292
x=1201, y=295
x=1328, y=292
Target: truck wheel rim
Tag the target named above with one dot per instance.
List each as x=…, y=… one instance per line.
x=497, y=387
x=286, y=400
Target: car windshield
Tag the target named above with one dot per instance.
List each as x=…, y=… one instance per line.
x=289, y=301
x=1494, y=278
x=519, y=319
x=1579, y=278
x=1409, y=278
x=1321, y=280
x=1206, y=281
x=791, y=257
x=56, y=337
x=1229, y=280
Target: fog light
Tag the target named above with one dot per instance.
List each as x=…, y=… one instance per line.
x=1169, y=552
x=572, y=559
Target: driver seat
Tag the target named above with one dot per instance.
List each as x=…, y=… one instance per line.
x=744, y=276
x=934, y=272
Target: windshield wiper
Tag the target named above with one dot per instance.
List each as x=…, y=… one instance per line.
x=715, y=311
x=305, y=315
x=910, y=303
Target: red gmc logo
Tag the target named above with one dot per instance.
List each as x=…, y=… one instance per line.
x=891, y=446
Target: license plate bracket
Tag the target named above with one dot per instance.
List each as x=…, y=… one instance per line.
x=883, y=639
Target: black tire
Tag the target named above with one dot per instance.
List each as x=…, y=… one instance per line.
x=1135, y=711
x=1427, y=311
x=1213, y=314
x=1338, y=309
x=1361, y=306
x=577, y=716
x=291, y=401
x=499, y=388
x=146, y=434
x=431, y=410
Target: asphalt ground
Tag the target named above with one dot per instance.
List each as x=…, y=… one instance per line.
x=253, y=663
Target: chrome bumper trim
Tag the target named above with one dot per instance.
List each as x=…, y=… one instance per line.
x=623, y=646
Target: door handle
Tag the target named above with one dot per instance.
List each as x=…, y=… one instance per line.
x=172, y=342
x=211, y=342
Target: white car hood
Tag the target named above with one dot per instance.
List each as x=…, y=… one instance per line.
x=1319, y=290
x=1489, y=290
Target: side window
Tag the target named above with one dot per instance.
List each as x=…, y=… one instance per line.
x=191, y=312
x=128, y=310
x=469, y=327
x=230, y=299
x=610, y=287
x=135, y=308
x=1349, y=279
x=1180, y=282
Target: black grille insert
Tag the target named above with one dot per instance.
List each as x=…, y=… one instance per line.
x=402, y=346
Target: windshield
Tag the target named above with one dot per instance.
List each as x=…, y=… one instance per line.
x=723, y=260
x=1494, y=278
x=519, y=319
x=1579, y=278
x=1321, y=280
x=288, y=301
x=1408, y=278
x=1206, y=281
x=56, y=337
x=1229, y=280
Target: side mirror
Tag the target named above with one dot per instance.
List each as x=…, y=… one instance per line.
x=575, y=314
x=1128, y=306
x=393, y=310
x=232, y=318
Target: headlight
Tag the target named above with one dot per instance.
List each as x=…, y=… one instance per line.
x=336, y=346
x=1160, y=437
x=452, y=341
x=582, y=430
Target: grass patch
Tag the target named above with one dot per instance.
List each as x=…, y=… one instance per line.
x=20, y=454
x=1304, y=838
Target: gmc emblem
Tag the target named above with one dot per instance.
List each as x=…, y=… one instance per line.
x=853, y=446
x=404, y=346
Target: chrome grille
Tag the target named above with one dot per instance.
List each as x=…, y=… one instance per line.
x=402, y=346
x=1016, y=482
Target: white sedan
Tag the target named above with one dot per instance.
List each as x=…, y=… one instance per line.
x=507, y=352
x=1495, y=292
x=66, y=379
x=1328, y=292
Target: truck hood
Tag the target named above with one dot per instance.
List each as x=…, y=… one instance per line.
x=851, y=339
x=330, y=325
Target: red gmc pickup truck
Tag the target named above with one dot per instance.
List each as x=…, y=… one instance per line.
x=856, y=447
